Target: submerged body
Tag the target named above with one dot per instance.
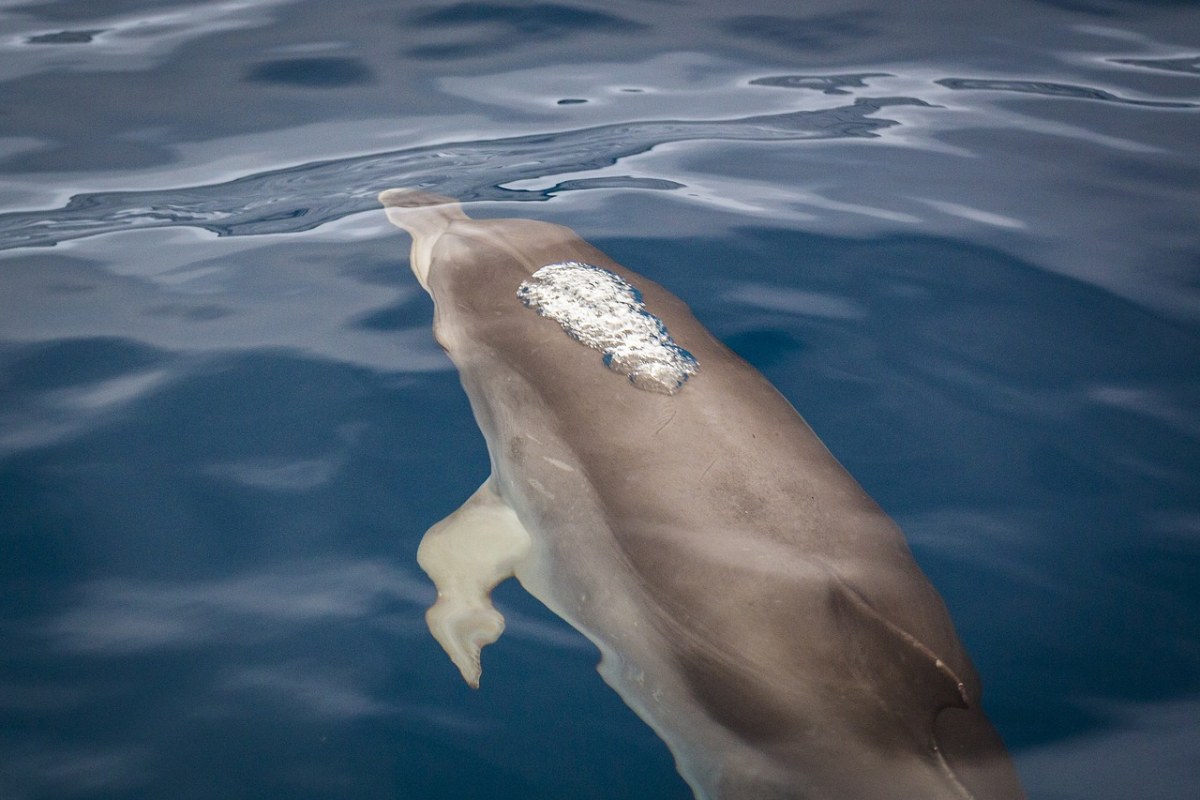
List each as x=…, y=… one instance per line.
x=751, y=603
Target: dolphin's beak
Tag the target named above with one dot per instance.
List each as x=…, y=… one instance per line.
x=413, y=198
x=426, y=216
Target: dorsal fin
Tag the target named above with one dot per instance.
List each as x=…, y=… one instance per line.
x=945, y=688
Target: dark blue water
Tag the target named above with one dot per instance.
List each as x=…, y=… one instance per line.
x=963, y=240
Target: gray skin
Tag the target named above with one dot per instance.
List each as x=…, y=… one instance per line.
x=751, y=603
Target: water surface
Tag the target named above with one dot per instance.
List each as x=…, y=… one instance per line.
x=962, y=242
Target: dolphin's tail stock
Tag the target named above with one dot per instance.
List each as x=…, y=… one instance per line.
x=425, y=216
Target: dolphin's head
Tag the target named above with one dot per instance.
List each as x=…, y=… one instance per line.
x=491, y=277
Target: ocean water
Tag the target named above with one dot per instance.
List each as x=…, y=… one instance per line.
x=961, y=237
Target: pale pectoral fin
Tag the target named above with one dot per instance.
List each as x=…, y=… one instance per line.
x=466, y=555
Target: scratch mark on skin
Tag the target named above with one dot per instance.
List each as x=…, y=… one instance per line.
x=565, y=467
x=706, y=469
x=666, y=422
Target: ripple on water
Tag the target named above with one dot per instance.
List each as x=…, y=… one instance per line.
x=304, y=197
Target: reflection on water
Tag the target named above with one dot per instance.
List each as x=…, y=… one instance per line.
x=305, y=197
x=1047, y=89
x=966, y=251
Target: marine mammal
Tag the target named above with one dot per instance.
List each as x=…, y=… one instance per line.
x=751, y=603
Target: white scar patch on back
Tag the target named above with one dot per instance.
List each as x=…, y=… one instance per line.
x=603, y=311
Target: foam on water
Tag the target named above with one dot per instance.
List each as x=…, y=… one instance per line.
x=603, y=311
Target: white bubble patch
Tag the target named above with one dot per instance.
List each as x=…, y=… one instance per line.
x=603, y=311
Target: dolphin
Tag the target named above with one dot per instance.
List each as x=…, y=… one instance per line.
x=749, y=601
